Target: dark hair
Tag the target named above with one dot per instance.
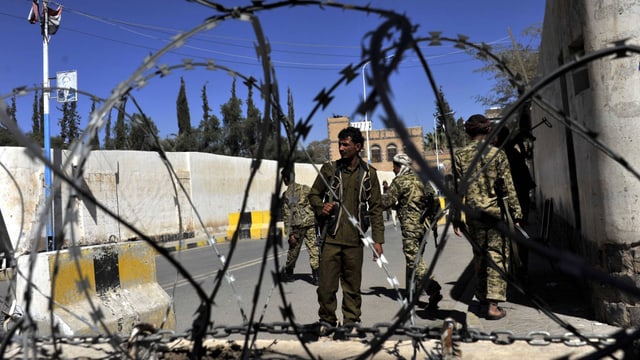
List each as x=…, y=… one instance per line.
x=287, y=172
x=477, y=125
x=354, y=133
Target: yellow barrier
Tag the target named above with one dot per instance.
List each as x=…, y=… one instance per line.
x=253, y=225
x=96, y=289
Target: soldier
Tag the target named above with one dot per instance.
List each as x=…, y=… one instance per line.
x=299, y=225
x=414, y=203
x=345, y=189
x=483, y=194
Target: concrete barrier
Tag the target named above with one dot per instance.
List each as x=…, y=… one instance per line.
x=104, y=286
x=253, y=225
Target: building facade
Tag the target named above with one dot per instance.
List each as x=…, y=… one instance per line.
x=383, y=144
x=595, y=198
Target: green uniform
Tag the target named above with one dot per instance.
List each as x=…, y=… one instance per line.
x=341, y=255
x=408, y=195
x=300, y=221
x=480, y=194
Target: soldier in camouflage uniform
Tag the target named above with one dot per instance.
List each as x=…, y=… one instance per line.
x=412, y=201
x=481, y=194
x=299, y=225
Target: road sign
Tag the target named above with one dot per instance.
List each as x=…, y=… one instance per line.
x=362, y=125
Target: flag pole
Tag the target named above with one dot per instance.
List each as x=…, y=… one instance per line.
x=45, y=112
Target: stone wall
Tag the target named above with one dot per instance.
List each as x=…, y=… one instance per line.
x=595, y=198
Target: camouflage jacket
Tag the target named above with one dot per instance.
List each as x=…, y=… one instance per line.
x=408, y=195
x=296, y=210
x=481, y=192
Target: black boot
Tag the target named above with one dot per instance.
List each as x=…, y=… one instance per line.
x=314, y=277
x=433, y=290
x=287, y=276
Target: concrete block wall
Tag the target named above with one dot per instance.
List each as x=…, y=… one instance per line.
x=140, y=188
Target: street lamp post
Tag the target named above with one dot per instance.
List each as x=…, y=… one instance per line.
x=366, y=121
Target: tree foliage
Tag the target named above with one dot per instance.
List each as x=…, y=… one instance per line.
x=209, y=133
x=235, y=132
x=521, y=59
x=120, y=129
x=142, y=133
x=445, y=126
x=251, y=139
x=232, y=119
x=37, y=132
x=319, y=151
x=108, y=142
x=95, y=139
x=182, y=110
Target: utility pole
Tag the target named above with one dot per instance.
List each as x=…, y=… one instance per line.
x=47, y=130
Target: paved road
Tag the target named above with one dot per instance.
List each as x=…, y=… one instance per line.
x=380, y=305
x=380, y=300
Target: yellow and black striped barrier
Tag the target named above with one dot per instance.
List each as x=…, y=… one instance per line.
x=253, y=225
x=97, y=288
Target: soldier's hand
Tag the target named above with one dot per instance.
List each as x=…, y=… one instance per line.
x=378, y=249
x=327, y=208
x=292, y=241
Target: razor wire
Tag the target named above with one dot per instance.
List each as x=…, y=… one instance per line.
x=381, y=67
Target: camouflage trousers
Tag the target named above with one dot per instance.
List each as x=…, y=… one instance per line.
x=306, y=235
x=411, y=238
x=491, y=285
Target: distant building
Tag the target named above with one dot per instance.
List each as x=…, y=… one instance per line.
x=384, y=144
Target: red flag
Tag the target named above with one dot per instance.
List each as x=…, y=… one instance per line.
x=33, y=13
x=54, y=17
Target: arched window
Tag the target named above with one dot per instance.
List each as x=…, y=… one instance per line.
x=392, y=150
x=376, y=154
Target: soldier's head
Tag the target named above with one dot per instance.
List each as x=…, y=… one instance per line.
x=350, y=142
x=288, y=174
x=477, y=125
x=401, y=163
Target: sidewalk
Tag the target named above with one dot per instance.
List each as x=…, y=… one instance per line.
x=560, y=293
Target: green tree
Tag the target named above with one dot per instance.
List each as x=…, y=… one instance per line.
x=63, y=122
x=187, y=142
x=182, y=108
x=37, y=132
x=251, y=139
x=521, y=59
x=41, y=115
x=319, y=151
x=142, y=134
x=108, y=142
x=6, y=138
x=445, y=126
x=13, y=110
x=209, y=132
x=120, y=129
x=95, y=139
x=232, y=119
x=73, y=122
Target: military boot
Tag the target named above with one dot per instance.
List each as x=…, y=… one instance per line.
x=433, y=290
x=287, y=275
x=314, y=277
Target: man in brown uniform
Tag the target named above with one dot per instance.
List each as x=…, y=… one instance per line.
x=345, y=188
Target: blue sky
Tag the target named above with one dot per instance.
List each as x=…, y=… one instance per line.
x=106, y=41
